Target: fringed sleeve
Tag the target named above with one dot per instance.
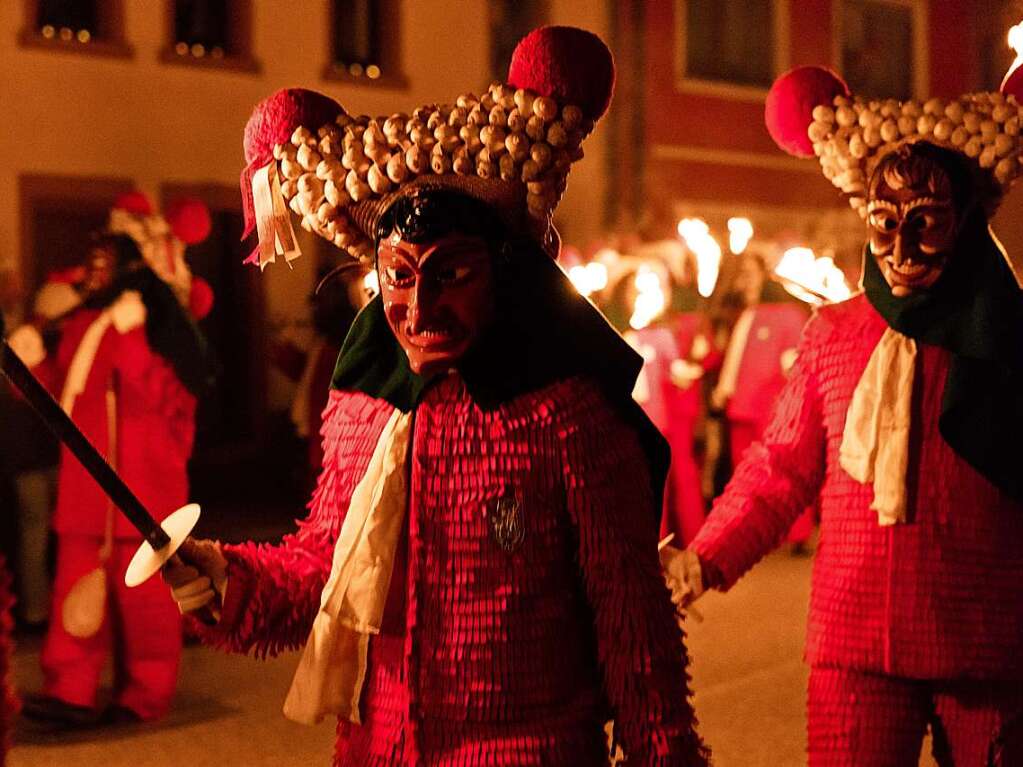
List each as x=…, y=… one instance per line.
x=639, y=643
x=777, y=478
x=273, y=591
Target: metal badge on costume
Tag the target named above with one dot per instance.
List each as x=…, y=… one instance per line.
x=506, y=523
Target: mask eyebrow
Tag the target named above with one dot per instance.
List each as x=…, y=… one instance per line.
x=876, y=205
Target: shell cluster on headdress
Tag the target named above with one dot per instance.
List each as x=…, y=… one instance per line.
x=811, y=107
x=851, y=133
x=507, y=134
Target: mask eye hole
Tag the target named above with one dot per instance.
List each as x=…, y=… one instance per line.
x=399, y=276
x=884, y=221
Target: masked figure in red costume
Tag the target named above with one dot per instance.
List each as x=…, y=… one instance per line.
x=128, y=367
x=900, y=416
x=477, y=582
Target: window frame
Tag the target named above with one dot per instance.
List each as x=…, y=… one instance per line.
x=921, y=59
x=392, y=72
x=242, y=60
x=112, y=43
x=781, y=56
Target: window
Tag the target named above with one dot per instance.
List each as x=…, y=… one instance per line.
x=510, y=21
x=878, y=42
x=81, y=26
x=733, y=42
x=215, y=33
x=364, y=41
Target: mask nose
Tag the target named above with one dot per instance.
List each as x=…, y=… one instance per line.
x=420, y=308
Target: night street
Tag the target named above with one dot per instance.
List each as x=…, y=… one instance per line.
x=748, y=676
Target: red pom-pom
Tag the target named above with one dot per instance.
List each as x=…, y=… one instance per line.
x=274, y=120
x=790, y=102
x=568, y=64
x=135, y=203
x=189, y=220
x=200, y=298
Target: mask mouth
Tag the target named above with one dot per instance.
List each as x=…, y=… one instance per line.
x=435, y=337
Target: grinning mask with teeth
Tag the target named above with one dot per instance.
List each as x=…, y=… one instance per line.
x=912, y=217
x=437, y=276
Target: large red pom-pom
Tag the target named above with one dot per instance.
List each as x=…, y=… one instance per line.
x=135, y=203
x=274, y=120
x=790, y=102
x=189, y=220
x=568, y=64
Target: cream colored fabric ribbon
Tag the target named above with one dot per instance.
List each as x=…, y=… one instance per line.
x=332, y=670
x=875, y=443
x=81, y=362
x=273, y=223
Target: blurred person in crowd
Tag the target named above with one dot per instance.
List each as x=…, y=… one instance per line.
x=477, y=582
x=662, y=324
x=32, y=456
x=128, y=367
x=339, y=296
x=761, y=351
x=902, y=415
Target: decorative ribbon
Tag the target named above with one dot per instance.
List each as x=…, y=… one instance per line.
x=875, y=442
x=332, y=670
x=81, y=362
x=273, y=222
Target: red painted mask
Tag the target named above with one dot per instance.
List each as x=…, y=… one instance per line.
x=438, y=297
x=912, y=224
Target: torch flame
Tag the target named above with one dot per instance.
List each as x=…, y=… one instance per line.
x=811, y=279
x=1016, y=40
x=1010, y=83
x=698, y=239
x=650, y=298
x=740, y=232
x=588, y=279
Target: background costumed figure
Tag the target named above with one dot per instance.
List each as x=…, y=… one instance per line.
x=128, y=369
x=477, y=582
x=899, y=416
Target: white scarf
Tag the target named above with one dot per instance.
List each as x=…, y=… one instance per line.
x=875, y=442
x=332, y=670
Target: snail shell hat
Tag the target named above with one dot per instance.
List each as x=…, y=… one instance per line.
x=811, y=112
x=511, y=148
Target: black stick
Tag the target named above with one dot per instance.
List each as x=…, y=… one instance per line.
x=67, y=432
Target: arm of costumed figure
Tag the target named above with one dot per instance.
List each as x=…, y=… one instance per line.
x=639, y=642
x=777, y=478
x=273, y=592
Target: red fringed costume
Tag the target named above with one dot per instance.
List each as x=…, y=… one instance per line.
x=913, y=388
x=490, y=657
x=525, y=606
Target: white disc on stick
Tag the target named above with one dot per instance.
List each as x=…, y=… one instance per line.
x=147, y=560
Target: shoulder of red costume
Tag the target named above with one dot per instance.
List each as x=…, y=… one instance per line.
x=570, y=402
x=354, y=406
x=852, y=317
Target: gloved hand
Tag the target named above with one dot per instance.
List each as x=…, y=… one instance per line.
x=197, y=575
x=128, y=312
x=683, y=574
x=27, y=343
